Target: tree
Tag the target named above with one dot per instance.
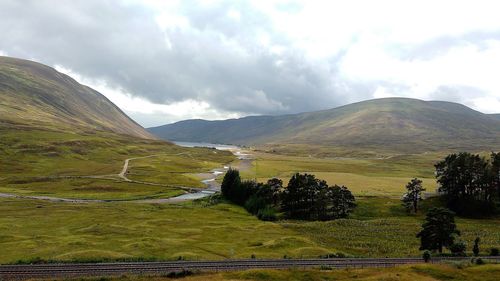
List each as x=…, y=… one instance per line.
x=309, y=198
x=300, y=200
x=243, y=191
x=413, y=195
x=475, y=249
x=275, y=188
x=438, y=230
x=468, y=182
x=495, y=173
x=341, y=202
x=230, y=183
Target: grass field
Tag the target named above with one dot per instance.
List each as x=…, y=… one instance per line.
x=92, y=231
x=363, y=176
x=47, y=153
x=88, y=189
x=32, y=160
x=178, y=169
x=29, y=229
x=421, y=272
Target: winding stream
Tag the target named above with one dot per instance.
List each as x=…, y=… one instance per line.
x=209, y=179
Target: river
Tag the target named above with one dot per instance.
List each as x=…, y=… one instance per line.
x=209, y=179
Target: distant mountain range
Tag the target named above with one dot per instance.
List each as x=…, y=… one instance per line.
x=395, y=124
x=35, y=96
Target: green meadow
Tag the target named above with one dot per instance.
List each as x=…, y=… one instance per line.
x=102, y=189
x=38, y=163
x=363, y=176
x=196, y=230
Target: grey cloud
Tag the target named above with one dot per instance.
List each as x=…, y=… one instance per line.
x=458, y=93
x=217, y=60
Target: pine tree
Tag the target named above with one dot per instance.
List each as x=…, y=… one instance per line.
x=413, y=195
x=475, y=249
x=230, y=184
x=438, y=230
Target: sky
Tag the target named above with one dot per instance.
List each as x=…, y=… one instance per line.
x=165, y=61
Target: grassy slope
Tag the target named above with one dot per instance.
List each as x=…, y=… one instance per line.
x=383, y=125
x=52, y=126
x=33, y=95
x=379, y=228
x=178, y=169
x=31, y=157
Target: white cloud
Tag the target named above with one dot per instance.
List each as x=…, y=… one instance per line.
x=139, y=108
x=163, y=61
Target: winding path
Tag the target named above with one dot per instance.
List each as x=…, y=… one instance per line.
x=191, y=193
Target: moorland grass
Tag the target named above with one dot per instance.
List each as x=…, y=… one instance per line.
x=193, y=230
x=32, y=160
x=39, y=153
x=363, y=176
x=101, y=189
x=60, y=231
x=178, y=169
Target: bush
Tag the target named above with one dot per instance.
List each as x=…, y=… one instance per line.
x=180, y=274
x=479, y=261
x=267, y=214
x=254, y=204
x=426, y=256
x=494, y=252
x=458, y=248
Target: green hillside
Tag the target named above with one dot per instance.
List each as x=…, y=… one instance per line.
x=35, y=96
x=392, y=124
x=52, y=127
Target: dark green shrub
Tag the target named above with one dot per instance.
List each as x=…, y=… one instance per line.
x=494, y=252
x=475, y=249
x=267, y=214
x=426, y=256
x=458, y=248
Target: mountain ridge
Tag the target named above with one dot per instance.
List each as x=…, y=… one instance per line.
x=36, y=96
x=395, y=123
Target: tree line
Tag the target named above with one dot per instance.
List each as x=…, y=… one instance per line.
x=305, y=197
x=469, y=183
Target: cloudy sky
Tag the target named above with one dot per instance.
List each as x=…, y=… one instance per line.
x=164, y=61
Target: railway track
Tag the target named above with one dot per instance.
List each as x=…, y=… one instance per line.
x=21, y=272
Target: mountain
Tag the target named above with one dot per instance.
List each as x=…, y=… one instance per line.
x=395, y=124
x=35, y=96
x=496, y=116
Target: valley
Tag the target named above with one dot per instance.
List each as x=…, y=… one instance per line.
x=104, y=193
x=249, y=140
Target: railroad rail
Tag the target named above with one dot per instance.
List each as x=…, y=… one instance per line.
x=65, y=270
